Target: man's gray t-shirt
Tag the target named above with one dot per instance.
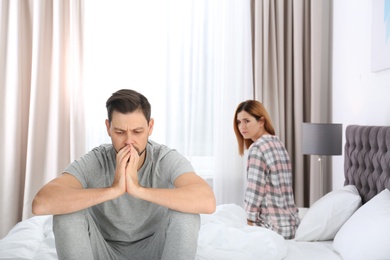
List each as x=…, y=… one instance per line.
x=127, y=218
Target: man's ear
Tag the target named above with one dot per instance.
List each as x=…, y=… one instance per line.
x=151, y=124
x=108, y=127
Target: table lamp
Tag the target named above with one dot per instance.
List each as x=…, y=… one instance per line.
x=321, y=139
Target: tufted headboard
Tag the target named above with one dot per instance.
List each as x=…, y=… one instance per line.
x=367, y=159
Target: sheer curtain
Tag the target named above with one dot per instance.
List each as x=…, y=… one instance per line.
x=232, y=84
x=40, y=98
x=209, y=76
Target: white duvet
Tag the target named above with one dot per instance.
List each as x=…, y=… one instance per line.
x=226, y=235
x=223, y=235
x=32, y=238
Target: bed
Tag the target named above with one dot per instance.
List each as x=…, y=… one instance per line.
x=350, y=223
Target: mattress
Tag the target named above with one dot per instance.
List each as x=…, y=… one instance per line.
x=223, y=235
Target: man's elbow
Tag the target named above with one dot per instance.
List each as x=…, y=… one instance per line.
x=38, y=207
x=211, y=205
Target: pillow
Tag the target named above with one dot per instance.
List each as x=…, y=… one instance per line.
x=326, y=216
x=366, y=235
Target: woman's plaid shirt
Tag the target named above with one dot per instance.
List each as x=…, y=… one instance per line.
x=269, y=195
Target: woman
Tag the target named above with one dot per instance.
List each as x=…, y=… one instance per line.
x=269, y=195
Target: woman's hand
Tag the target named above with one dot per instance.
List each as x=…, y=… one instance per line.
x=250, y=223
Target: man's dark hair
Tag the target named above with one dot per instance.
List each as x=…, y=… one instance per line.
x=127, y=101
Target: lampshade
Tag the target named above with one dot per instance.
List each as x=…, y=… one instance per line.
x=321, y=139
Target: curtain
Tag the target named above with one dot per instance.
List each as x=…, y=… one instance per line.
x=40, y=99
x=210, y=73
x=232, y=85
x=291, y=50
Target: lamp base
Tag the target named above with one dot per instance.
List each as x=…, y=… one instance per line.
x=320, y=159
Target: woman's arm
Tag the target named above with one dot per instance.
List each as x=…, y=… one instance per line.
x=256, y=183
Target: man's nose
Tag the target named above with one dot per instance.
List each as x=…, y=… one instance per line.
x=129, y=138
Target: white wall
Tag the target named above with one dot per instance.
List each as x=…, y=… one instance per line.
x=359, y=95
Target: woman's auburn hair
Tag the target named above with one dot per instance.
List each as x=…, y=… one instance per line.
x=258, y=111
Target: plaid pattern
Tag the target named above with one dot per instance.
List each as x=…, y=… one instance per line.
x=269, y=195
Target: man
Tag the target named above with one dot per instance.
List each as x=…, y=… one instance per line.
x=132, y=199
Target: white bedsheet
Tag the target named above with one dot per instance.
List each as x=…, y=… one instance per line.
x=223, y=235
x=321, y=250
